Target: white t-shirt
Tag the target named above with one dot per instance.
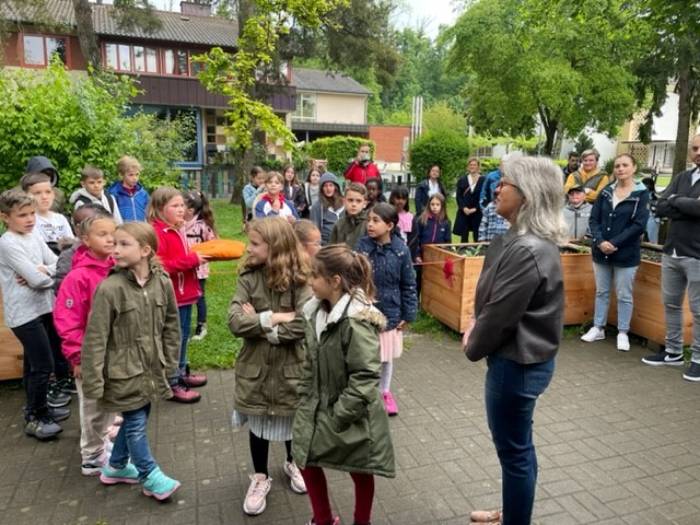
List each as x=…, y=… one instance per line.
x=52, y=227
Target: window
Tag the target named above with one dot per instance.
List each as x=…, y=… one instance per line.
x=145, y=60
x=38, y=50
x=176, y=62
x=306, y=107
x=124, y=57
x=111, y=56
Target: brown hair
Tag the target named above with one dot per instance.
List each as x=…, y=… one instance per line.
x=30, y=179
x=357, y=188
x=303, y=229
x=14, y=198
x=634, y=161
x=426, y=213
x=144, y=234
x=286, y=261
x=295, y=180
x=159, y=198
x=126, y=162
x=91, y=172
x=255, y=170
x=198, y=201
x=474, y=159
x=274, y=175
x=353, y=268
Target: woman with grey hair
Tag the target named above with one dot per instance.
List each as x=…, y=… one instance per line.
x=517, y=324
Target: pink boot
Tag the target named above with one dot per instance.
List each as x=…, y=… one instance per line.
x=390, y=404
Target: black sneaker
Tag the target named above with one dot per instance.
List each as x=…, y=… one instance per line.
x=693, y=373
x=56, y=398
x=42, y=428
x=663, y=358
x=200, y=332
x=67, y=385
x=59, y=413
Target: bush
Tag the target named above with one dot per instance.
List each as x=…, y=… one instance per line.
x=447, y=149
x=81, y=120
x=338, y=150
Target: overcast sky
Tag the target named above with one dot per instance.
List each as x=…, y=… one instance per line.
x=428, y=14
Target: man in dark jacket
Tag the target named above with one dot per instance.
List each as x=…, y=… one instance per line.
x=40, y=164
x=680, y=269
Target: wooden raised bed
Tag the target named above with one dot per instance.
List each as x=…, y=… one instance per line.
x=452, y=301
x=648, y=317
x=11, y=353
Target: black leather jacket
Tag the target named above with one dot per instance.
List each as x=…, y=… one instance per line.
x=519, y=302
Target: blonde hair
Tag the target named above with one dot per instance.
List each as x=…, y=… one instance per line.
x=303, y=229
x=287, y=263
x=159, y=198
x=91, y=172
x=14, y=198
x=126, y=162
x=274, y=175
x=539, y=181
x=86, y=224
x=143, y=233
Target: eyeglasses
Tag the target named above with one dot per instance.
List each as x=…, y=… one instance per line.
x=502, y=183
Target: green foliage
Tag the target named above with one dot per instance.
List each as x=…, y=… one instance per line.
x=447, y=149
x=338, y=150
x=80, y=120
x=564, y=63
x=441, y=117
x=583, y=142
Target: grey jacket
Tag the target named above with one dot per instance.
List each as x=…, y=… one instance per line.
x=519, y=301
x=578, y=219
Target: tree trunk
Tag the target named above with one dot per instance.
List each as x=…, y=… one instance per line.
x=86, y=33
x=680, y=159
x=550, y=131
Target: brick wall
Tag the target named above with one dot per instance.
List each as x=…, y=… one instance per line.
x=389, y=141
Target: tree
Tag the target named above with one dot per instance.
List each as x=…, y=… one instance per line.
x=247, y=77
x=672, y=45
x=447, y=149
x=562, y=64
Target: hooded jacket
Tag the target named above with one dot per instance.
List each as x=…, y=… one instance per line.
x=82, y=196
x=132, y=207
x=578, y=219
x=622, y=225
x=132, y=342
x=325, y=218
x=74, y=299
x=341, y=422
x=178, y=262
x=41, y=164
x=269, y=366
x=349, y=229
x=393, y=275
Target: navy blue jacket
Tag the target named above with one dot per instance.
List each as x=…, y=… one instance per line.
x=394, y=278
x=432, y=232
x=622, y=226
x=422, y=198
x=131, y=207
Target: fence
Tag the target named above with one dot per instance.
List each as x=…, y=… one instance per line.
x=217, y=182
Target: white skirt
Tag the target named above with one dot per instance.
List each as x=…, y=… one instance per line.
x=271, y=428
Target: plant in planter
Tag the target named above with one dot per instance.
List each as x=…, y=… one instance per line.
x=451, y=273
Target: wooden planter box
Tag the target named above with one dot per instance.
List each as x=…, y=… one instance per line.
x=452, y=301
x=648, y=317
x=11, y=353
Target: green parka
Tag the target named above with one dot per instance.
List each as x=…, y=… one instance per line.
x=341, y=422
x=132, y=341
x=270, y=364
x=349, y=229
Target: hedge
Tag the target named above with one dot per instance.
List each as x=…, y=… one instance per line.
x=447, y=149
x=338, y=150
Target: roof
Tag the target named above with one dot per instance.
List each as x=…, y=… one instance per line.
x=190, y=29
x=318, y=80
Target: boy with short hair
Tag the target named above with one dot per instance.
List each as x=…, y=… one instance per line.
x=352, y=223
x=27, y=266
x=51, y=227
x=251, y=190
x=131, y=196
x=92, y=181
x=577, y=213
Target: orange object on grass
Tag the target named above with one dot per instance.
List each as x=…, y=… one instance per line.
x=220, y=249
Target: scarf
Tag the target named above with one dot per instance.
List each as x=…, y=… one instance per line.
x=268, y=198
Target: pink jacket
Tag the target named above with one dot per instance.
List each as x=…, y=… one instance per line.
x=197, y=231
x=74, y=300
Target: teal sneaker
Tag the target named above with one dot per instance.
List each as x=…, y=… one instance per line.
x=112, y=476
x=159, y=486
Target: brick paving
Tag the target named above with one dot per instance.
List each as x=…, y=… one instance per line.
x=617, y=444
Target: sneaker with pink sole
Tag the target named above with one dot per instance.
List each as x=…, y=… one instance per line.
x=390, y=405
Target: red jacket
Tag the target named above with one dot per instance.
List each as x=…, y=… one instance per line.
x=74, y=300
x=178, y=262
x=356, y=172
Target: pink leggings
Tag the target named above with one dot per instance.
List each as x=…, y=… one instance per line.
x=317, y=488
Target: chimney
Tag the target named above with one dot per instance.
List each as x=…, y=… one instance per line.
x=201, y=8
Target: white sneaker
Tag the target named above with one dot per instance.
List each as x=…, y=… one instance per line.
x=623, y=342
x=296, y=481
x=594, y=334
x=255, y=499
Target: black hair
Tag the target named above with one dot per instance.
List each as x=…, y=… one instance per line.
x=387, y=213
x=399, y=192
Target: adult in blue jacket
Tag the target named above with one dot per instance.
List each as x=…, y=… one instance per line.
x=618, y=220
x=429, y=187
x=131, y=196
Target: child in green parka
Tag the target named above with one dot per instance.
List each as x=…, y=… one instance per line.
x=341, y=423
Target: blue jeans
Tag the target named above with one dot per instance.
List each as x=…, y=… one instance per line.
x=132, y=442
x=605, y=274
x=511, y=394
x=202, y=304
x=185, y=327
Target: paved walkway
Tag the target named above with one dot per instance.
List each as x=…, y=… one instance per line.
x=618, y=443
